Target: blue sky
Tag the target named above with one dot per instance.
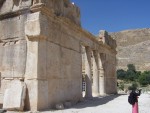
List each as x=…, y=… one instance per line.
x=114, y=15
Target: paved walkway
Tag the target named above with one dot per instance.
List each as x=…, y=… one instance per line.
x=109, y=104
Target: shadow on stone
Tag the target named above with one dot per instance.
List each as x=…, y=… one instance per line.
x=27, y=102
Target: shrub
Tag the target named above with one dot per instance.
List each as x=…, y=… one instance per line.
x=131, y=67
x=130, y=75
x=134, y=86
x=121, y=74
x=144, y=78
x=121, y=86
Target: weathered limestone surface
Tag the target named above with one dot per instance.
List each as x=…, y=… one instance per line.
x=62, y=8
x=4, y=86
x=95, y=87
x=12, y=47
x=14, y=96
x=133, y=48
x=13, y=59
x=108, y=68
x=40, y=44
x=8, y=6
x=11, y=29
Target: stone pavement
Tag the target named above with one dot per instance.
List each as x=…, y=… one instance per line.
x=109, y=104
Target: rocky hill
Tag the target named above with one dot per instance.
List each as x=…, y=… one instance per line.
x=133, y=47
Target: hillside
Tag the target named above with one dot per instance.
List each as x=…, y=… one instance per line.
x=133, y=47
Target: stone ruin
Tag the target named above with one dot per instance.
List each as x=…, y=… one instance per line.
x=41, y=56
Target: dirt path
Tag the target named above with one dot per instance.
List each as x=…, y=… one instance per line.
x=109, y=104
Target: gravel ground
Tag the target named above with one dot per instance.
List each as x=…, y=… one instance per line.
x=108, y=104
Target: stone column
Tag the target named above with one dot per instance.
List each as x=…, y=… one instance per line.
x=95, y=87
x=88, y=77
x=101, y=75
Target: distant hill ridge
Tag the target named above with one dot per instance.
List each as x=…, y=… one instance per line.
x=133, y=47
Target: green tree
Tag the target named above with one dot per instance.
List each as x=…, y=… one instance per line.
x=131, y=67
x=121, y=74
x=138, y=73
x=144, y=78
x=132, y=74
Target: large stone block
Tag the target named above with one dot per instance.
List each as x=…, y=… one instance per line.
x=32, y=60
x=37, y=95
x=4, y=86
x=54, y=32
x=53, y=60
x=31, y=101
x=36, y=60
x=43, y=101
x=42, y=55
x=14, y=96
x=53, y=92
x=70, y=63
x=35, y=28
x=12, y=29
x=72, y=90
x=69, y=41
x=76, y=65
x=66, y=58
x=13, y=59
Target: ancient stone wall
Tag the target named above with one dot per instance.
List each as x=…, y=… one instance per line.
x=40, y=45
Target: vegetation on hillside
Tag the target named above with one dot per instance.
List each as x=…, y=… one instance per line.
x=131, y=75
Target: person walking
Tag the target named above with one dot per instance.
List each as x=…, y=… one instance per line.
x=133, y=99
